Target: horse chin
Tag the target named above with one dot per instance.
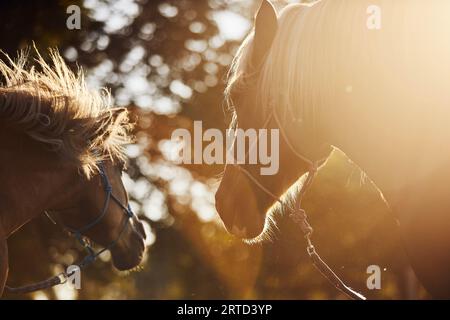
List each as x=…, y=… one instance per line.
x=244, y=233
x=241, y=219
x=122, y=263
x=241, y=216
x=249, y=228
x=123, y=260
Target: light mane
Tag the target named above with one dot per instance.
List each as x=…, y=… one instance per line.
x=324, y=53
x=54, y=106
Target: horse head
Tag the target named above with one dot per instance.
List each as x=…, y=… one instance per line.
x=62, y=153
x=244, y=195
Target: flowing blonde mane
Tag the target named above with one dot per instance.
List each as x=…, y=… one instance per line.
x=325, y=57
x=54, y=106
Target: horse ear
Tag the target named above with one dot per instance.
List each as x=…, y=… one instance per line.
x=266, y=25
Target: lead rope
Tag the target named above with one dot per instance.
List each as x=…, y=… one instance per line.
x=299, y=217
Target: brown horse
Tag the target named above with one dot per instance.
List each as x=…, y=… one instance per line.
x=55, y=134
x=327, y=77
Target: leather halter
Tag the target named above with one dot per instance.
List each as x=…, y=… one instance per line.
x=78, y=234
x=298, y=215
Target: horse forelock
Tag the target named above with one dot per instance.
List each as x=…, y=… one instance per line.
x=55, y=107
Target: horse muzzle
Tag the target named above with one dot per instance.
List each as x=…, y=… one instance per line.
x=129, y=251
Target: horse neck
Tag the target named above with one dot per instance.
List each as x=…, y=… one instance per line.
x=396, y=141
x=370, y=141
x=28, y=181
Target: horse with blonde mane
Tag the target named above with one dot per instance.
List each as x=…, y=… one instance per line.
x=326, y=79
x=62, y=151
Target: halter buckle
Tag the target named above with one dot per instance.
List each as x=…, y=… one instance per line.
x=311, y=250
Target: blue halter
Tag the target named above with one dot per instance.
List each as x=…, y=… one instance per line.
x=78, y=234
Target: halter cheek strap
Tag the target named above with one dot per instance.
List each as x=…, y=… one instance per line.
x=78, y=234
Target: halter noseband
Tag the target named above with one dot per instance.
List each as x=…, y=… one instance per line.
x=78, y=234
x=298, y=215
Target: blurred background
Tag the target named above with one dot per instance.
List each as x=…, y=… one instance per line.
x=167, y=60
